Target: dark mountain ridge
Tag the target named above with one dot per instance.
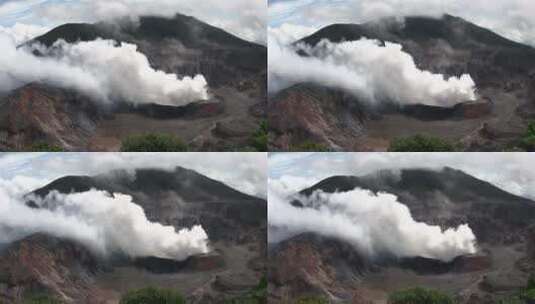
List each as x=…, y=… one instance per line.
x=502, y=69
x=235, y=223
x=216, y=49
x=222, y=210
x=235, y=69
x=447, y=197
x=327, y=267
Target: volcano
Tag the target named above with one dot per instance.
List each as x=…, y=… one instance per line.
x=503, y=72
x=235, y=222
x=235, y=70
x=312, y=265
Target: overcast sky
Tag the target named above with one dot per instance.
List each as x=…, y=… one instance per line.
x=246, y=172
x=514, y=19
x=513, y=172
x=245, y=18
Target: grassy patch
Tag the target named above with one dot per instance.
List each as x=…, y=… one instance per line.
x=42, y=299
x=45, y=147
x=257, y=295
x=152, y=295
x=419, y=296
x=153, y=143
x=309, y=146
x=311, y=300
x=421, y=143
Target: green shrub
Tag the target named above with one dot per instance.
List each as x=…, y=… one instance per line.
x=153, y=143
x=528, y=141
x=420, y=143
x=152, y=296
x=419, y=296
x=41, y=299
x=531, y=283
x=257, y=295
x=259, y=140
x=311, y=300
x=512, y=300
x=309, y=146
x=45, y=147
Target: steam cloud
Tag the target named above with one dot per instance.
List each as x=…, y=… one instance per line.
x=368, y=70
x=100, y=69
x=374, y=224
x=105, y=224
x=514, y=19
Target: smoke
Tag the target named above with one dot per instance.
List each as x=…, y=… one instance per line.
x=106, y=224
x=102, y=69
x=21, y=32
x=249, y=24
x=512, y=172
x=514, y=19
x=370, y=71
x=375, y=224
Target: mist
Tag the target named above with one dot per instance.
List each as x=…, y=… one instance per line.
x=377, y=225
x=106, y=224
x=513, y=19
x=249, y=24
x=370, y=71
x=104, y=70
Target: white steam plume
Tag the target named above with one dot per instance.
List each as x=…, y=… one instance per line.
x=101, y=69
x=368, y=70
x=374, y=224
x=105, y=224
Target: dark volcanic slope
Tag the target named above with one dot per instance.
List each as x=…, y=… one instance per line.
x=235, y=224
x=420, y=36
x=235, y=70
x=503, y=223
x=182, y=45
x=447, y=197
x=181, y=197
x=503, y=70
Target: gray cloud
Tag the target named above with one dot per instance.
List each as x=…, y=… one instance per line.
x=514, y=19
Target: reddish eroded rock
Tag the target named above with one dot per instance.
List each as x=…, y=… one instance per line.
x=472, y=263
x=476, y=109
x=206, y=262
x=310, y=265
x=41, y=264
x=36, y=113
x=313, y=113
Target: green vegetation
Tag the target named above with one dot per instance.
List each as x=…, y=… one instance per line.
x=153, y=143
x=41, y=299
x=526, y=295
x=311, y=300
x=309, y=146
x=259, y=140
x=419, y=296
x=257, y=295
x=152, y=295
x=528, y=141
x=44, y=147
x=420, y=143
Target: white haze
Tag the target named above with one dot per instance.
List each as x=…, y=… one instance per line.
x=514, y=19
x=376, y=225
x=101, y=69
x=105, y=224
x=366, y=69
x=245, y=18
x=21, y=32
